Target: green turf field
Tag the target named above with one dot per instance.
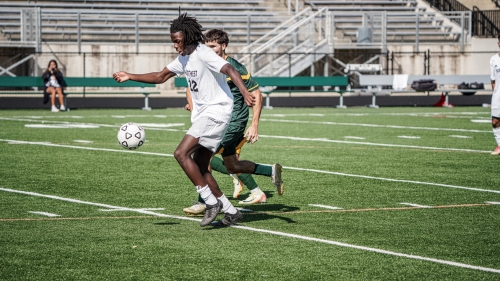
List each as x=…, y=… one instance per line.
x=370, y=194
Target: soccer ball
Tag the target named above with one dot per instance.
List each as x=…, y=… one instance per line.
x=131, y=136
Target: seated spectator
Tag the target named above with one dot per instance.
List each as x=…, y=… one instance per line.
x=53, y=86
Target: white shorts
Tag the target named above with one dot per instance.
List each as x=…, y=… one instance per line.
x=209, y=131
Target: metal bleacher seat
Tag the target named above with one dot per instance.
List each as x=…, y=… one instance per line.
x=403, y=18
x=119, y=20
x=127, y=6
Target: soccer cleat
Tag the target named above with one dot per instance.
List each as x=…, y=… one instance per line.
x=198, y=208
x=211, y=213
x=496, y=151
x=54, y=109
x=255, y=197
x=229, y=219
x=276, y=179
x=62, y=108
x=238, y=187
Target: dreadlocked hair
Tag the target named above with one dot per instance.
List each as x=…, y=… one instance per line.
x=193, y=31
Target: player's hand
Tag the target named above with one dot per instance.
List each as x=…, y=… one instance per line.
x=187, y=107
x=121, y=76
x=249, y=98
x=252, y=134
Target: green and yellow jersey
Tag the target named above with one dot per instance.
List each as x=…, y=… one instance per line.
x=240, y=109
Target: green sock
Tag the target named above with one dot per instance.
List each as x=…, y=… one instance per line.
x=248, y=181
x=218, y=165
x=263, y=170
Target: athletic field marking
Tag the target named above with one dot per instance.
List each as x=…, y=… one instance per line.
x=83, y=141
x=326, y=207
x=493, y=203
x=377, y=126
x=61, y=126
x=45, y=214
x=354, y=138
x=76, y=219
x=294, y=121
x=408, y=137
x=375, y=144
x=140, y=209
x=481, y=121
x=291, y=168
x=368, y=209
x=393, y=180
x=416, y=205
x=278, y=233
x=460, y=137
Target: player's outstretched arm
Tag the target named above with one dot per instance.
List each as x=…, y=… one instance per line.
x=151, y=78
x=236, y=78
x=252, y=133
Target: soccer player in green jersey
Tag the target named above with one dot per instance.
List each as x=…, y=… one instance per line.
x=235, y=135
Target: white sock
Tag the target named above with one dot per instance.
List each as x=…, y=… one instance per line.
x=496, y=133
x=227, y=207
x=54, y=107
x=206, y=194
x=63, y=107
x=257, y=189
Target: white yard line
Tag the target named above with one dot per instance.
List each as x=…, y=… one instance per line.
x=376, y=144
x=393, y=180
x=291, y=168
x=376, y=126
x=326, y=207
x=278, y=233
x=415, y=205
x=45, y=214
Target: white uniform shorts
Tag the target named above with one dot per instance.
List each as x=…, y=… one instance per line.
x=209, y=131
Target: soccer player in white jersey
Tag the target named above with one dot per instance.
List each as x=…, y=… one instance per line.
x=206, y=74
x=495, y=98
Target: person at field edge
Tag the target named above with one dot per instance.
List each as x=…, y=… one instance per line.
x=235, y=136
x=54, y=84
x=495, y=98
x=213, y=104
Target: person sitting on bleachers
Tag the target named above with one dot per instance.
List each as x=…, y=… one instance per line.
x=53, y=86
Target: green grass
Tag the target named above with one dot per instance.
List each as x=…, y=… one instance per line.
x=365, y=161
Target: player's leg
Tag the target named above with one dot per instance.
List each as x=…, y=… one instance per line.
x=52, y=92
x=233, y=140
x=211, y=134
x=244, y=166
x=60, y=95
x=187, y=147
x=256, y=194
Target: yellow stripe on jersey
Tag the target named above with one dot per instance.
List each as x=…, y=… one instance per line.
x=243, y=77
x=253, y=88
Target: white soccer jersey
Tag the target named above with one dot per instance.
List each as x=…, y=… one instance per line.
x=209, y=90
x=495, y=75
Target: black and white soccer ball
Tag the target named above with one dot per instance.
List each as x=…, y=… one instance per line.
x=131, y=135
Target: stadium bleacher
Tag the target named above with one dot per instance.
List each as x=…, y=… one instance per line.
x=121, y=21
x=245, y=21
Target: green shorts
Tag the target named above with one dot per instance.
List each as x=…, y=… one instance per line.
x=231, y=140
